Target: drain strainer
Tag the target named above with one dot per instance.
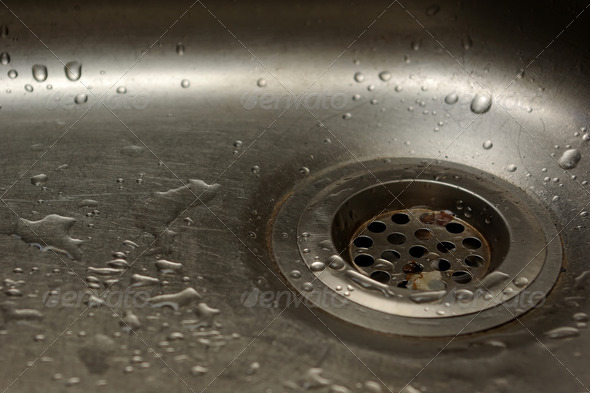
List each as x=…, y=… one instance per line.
x=434, y=251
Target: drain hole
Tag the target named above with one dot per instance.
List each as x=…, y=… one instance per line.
x=400, y=218
x=445, y=247
x=363, y=241
x=377, y=227
x=474, y=261
x=471, y=243
x=441, y=265
x=424, y=234
x=381, y=276
x=461, y=277
x=454, y=227
x=390, y=255
x=418, y=251
x=364, y=260
x=396, y=238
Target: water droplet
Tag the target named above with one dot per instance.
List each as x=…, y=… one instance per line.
x=371, y=87
x=255, y=169
x=49, y=87
x=555, y=198
x=481, y=103
x=12, y=74
x=261, y=82
x=121, y=90
x=317, y=266
x=398, y=88
x=335, y=262
x=433, y=10
x=562, y=332
x=385, y=76
x=81, y=98
x=359, y=77
x=176, y=300
x=451, y=98
x=185, y=83
x=180, y=49
x=488, y=144
x=570, y=158
x=580, y=317
x=39, y=180
x=168, y=267
x=39, y=72
x=511, y=168
x=296, y=274
x=29, y=88
x=304, y=170
x=73, y=70
x=4, y=58
x=521, y=282
x=467, y=43
x=346, y=116
x=3, y=31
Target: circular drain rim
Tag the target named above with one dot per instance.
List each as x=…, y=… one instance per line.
x=347, y=300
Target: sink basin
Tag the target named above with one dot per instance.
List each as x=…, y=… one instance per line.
x=184, y=184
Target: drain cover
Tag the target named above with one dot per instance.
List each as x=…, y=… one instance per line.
x=434, y=251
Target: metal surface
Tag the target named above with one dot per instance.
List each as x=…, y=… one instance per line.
x=155, y=169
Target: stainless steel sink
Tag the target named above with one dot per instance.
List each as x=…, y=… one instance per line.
x=184, y=184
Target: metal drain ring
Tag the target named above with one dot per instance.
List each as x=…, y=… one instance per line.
x=522, y=265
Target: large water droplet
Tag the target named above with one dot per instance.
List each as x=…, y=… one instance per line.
x=570, y=158
x=385, y=76
x=4, y=58
x=359, y=77
x=180, y=48
x=563, y=332
x=481, y=103
x=39, y=180
x=73, y=70
x=81, y=98
x=487, y=144
x=39, y=72
x=185, y=83
x=451, y=98
x=12, y=74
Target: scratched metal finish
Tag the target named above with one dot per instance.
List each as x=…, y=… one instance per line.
x=141, y=260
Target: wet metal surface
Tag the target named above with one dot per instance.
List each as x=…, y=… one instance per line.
x=148, y=150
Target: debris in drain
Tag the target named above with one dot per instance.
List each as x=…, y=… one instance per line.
x=412, y=267
x=442, y=217
x=426, y=281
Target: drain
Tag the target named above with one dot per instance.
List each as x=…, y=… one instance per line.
x=419, y=249
x=434, y=251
